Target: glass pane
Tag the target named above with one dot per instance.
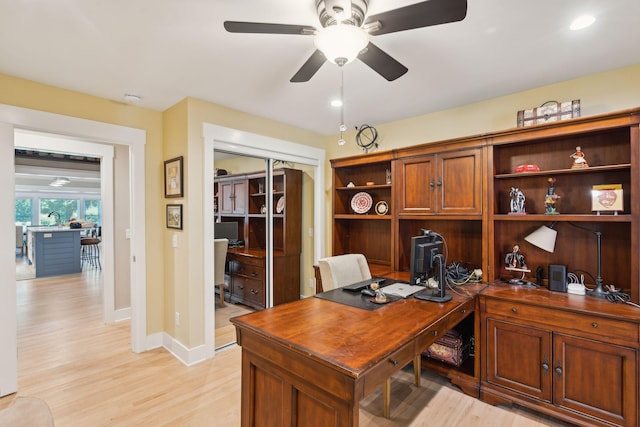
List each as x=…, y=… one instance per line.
x=93, y=211
x=66, y=208
x=23, y=211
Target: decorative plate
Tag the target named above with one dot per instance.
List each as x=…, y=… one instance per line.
x=382, y=207
x=361, y=202
x=280, y=205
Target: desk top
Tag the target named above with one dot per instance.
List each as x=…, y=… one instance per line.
x=347, y=338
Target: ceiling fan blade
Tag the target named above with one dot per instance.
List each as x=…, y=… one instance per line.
x=423, y=14
x=382, y=63
x=262, y=28
x=309, y=68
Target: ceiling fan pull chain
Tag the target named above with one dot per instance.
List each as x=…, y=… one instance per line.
x=343, y=127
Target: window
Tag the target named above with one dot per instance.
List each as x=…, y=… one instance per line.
x=67, y=208
x=93, y=211
x=23, y=211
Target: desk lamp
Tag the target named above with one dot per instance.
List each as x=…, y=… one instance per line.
x=545, y=238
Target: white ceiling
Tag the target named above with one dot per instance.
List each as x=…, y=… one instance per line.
x=165, y=50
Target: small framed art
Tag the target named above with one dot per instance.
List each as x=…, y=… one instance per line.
x=174, y=216
x=173, y=186
x=607, y=198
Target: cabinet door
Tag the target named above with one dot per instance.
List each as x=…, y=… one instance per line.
x=417, y=188
x=233, y=196
x=597, y=379
x=519, y=358
x=459, y=182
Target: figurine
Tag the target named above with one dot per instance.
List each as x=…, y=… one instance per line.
x=515, y=259
x=550, y=198
x=578, y=159
x=517, y=201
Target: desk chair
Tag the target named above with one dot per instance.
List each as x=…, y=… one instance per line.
x=220, y=256
x=342, y=270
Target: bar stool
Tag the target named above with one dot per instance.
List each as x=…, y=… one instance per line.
x=90, y=251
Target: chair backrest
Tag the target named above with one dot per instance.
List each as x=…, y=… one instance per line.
x=341, y=270
x=220, y=254
x=19, y=236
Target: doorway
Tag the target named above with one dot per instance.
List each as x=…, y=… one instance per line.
x=104, y=135
x=218, y=138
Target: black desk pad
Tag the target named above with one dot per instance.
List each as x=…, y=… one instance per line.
x=354, y=299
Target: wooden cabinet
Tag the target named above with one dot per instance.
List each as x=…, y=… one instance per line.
x=574, y=357
x=611, y=146
x=356, y=231
x=579, y=365
x=443, y=183
x=232, y=195
x=247, y=207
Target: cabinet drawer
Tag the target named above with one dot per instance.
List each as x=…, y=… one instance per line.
x=461, y=312
x=249, y=290
x=249, y=271
x=387, y=367
x=590, y=325
x=431, y=335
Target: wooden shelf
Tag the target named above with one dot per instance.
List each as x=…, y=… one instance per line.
x=568, y=218
x=591, y=169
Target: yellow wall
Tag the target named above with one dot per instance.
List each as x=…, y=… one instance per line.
x=178, y=285
x=27, y=94
x=599, y=93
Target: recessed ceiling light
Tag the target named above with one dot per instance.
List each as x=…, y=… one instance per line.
x=581, y=22
x=336, y=103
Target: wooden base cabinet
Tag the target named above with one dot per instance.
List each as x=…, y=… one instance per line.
x=581, y=367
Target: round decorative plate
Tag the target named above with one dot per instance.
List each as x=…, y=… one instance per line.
x=361, y=202
x=382, y=207
x=280, y=205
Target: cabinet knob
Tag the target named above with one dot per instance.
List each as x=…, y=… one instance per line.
x=435, y=333
x=559, y=371
x=464, y=310
x=594, y=324
x=545, y=366
x=432, y=184
x=513, y=309
x=393, y=362
x=439, y=182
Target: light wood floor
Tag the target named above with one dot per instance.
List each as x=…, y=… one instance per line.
x=88, y=375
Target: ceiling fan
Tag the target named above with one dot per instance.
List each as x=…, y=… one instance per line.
x=344, y=22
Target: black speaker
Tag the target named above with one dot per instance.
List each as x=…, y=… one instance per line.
x=557, y=277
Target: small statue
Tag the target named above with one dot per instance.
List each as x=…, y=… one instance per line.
x=578, y=159
x=515, y=259
x=517, y=201
x=550, y=198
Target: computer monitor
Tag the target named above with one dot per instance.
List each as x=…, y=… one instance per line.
x=226, y=230
x=427, y=261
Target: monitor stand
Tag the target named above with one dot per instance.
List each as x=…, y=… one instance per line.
x=441, y=294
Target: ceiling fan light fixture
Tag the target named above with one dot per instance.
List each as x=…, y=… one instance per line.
x=340, y=43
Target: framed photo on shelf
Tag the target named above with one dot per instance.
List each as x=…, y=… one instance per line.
x=173, y=185
x=607, y=198
x=174, y=216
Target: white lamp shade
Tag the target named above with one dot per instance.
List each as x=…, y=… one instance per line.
x=341, y=41
x=544, y=238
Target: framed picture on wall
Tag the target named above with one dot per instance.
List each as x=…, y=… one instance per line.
x=173, y=186
x=174, y=216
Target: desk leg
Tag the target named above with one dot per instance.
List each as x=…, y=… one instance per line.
x=417, y=368
x=386, y=398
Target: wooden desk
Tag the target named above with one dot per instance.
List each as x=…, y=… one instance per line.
x=310, y=362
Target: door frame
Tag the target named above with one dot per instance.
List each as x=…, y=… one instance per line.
x=12, y=118
x=254, y=145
